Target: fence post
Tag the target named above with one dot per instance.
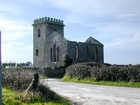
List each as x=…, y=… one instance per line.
x=0, y=74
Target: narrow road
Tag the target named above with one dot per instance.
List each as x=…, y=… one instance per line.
x=86, y=94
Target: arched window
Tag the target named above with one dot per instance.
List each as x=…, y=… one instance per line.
x=51, y=54
x=77, y=53
x=87, y=51
x=96, y=54
x=39, y=33
x=57, y=53
x=54, y=53
x=37, y=52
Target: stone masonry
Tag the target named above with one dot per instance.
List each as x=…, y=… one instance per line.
x=50, y=46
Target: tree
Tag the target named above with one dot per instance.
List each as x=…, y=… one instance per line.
x=66, y=61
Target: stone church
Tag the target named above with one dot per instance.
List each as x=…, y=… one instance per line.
x=50, y=45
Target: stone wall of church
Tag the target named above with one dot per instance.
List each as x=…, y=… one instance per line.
x=38, y=45
x=85, y=52
x=55, y=44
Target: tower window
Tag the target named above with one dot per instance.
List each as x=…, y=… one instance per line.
x=37, y=52
x=39, y=33
x=77, y=53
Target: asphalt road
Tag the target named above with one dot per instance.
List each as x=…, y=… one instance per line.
x=86, y=94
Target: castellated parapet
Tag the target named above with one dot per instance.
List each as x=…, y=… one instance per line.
x=48, y=20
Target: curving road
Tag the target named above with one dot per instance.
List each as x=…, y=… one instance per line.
x=86, y=94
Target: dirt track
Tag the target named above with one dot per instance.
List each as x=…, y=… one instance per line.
x=86, y=94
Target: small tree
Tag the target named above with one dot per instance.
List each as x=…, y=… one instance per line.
x=66, y=61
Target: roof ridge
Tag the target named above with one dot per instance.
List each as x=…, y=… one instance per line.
x=93, y=41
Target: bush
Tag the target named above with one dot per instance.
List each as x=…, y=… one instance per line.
x=78, y=71
x=17, y=79
x=66, y=61
x=104, y=73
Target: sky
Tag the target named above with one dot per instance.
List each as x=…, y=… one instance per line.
x=115, y=23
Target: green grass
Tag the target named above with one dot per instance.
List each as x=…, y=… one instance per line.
x=110, y=83
x=13, y=98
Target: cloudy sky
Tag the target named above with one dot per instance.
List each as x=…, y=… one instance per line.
x=115, y=23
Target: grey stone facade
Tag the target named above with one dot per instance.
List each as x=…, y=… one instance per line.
x=50, y=46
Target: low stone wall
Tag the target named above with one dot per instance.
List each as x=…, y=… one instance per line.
x=56, y=72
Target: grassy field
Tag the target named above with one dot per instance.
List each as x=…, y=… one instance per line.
x=92, y=81
x=13, y=98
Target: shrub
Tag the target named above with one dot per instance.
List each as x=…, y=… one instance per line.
x=66, y=61
x=137, y=65
x=17, y=79
x=100, y=72
x=78, y=71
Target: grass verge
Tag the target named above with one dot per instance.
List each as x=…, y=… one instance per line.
x=10, y=97
x=109, y=83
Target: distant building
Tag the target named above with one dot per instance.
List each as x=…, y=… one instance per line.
x=50, y=46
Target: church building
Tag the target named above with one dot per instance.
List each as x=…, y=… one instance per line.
x=50, y=45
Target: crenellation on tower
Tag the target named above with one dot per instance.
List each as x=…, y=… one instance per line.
x=49, y=20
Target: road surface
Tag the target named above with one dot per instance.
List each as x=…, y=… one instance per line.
x=86, y=94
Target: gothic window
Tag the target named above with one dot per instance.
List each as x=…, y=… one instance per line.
x=54, y=53
x=96, y=54
x=37, y=52
x=77, y=53
x=38, y=32
x=51, y=54
x=87, y=50
x=57, y=53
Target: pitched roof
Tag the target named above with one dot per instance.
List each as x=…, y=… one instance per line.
x=91, y=40
x=55, y=33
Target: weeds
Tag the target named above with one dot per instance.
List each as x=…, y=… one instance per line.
x=14, y=98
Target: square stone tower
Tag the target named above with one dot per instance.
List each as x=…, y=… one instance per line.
x=42, y=29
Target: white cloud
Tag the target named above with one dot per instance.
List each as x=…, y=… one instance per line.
x=96, y=8
x=124, y=50
x=125, y=43
x=106, y=17
x=16, y=52
x=14, y=30
x=8, y=9
x=12, y=49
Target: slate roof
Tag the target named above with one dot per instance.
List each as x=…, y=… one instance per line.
x=91, y=40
